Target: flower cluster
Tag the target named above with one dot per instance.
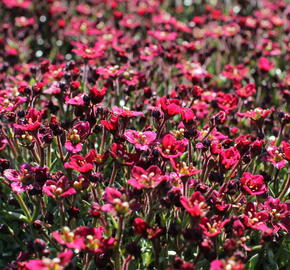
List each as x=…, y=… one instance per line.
x=149, y=134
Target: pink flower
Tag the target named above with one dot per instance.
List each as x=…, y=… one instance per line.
x=141, y=140
x=149, y=178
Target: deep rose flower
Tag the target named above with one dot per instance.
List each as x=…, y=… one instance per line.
x=235, y=72
x=88, y=53
x=59, y=263
x=33, y=118
x=278, y=211
x=230, y=263
x=213, y=226
x=184, y=170
x=76, y=137
x=257, y=113
x=286, y=150
x=27, y=178
x=253, y=184
x=172, y=148
x=60, y=188
x=115, y=202
x=264, y=64
x=80, y=163
x=84, y=238
x=141, y=140
x=230, y=157
x=97, y=95
x=149, y=178
x=142, y=228
x=195, y=205
x=254, y=219
x=121, y=155
x=126, y=113
x=246, y=91
x=227, y=102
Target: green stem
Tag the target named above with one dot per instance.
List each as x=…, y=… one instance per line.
x=24, y=207
x=117, y=255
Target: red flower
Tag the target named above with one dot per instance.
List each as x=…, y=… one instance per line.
x=229, y=157
x=80, y=163
x=172, y=148
x=246, y=91
x=213, y=226
x=142, y=228
x=257, y=113
x=278, y=211
x=227, y=102
x=97, y=95
x=253, y=184
x=149, y=178
x=195, y=205
x=286, y=150
x=170, y=106
x=183, y=169
x=120, y=154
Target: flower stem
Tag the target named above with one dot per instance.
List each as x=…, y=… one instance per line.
x=286, y=187
x=113, y=175
x=24, y=208
x=117, y=262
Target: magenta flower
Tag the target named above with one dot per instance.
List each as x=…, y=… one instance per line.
x=141, y=140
